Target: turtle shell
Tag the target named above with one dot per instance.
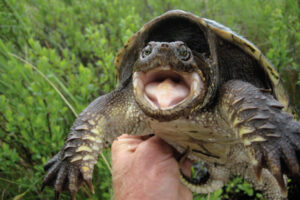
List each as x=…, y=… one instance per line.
x=236, y=57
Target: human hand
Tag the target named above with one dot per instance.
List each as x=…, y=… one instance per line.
x=147, y=169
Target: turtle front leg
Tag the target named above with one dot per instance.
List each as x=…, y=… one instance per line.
x=97, y=126
x=270, y=135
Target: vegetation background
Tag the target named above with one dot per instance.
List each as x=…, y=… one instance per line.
x=73, y=44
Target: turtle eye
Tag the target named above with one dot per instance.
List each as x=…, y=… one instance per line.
x=183, y=52
x=146, y=51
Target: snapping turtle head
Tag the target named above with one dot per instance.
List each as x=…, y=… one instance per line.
x=168, y=80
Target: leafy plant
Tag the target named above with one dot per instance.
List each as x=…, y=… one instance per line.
x=72, y=44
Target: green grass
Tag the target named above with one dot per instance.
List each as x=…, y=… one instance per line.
x=73, y=44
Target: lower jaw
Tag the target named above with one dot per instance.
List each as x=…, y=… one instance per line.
x=164, y=115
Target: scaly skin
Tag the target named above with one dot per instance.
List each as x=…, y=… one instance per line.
x=261, y=134
x=97, y=126
x=270, y=136
x=266, y=134
x=245, y=132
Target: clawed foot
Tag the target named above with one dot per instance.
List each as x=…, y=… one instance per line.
x=65, y=176
x=279, y=152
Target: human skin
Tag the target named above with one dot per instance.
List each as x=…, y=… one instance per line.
x=146, y=168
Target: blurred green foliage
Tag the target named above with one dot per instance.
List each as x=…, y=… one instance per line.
x=74, y=43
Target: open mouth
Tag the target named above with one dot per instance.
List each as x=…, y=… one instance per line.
x=164, y=88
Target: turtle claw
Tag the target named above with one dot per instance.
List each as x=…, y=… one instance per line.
x=271, y=135
x=60, y=179
x=43, y=187
x=90, y=185
x=258, y=172
x=256, y=158
x=51, y=161
x=279, y=154
x=63, y=175
x=51, y=173
x=57, y=194
x=274, y=166
x=280, y=180
x=292, y=164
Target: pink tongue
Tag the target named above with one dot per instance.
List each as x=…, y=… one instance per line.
x=166, y=93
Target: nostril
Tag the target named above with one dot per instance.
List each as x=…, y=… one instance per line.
x=164, y=45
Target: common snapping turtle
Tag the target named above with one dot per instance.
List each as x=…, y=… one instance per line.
x=201, y=88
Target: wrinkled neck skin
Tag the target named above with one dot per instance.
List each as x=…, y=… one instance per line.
x=203, y=131
x=123, y=115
